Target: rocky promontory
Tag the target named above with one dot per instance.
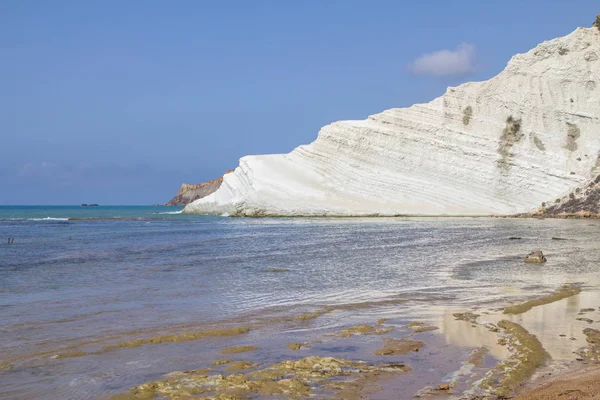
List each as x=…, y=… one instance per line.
x=189, y=192
x=496, y=147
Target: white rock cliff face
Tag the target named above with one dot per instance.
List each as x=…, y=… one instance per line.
x=503, y=146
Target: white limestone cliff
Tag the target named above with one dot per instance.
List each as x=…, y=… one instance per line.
x=502, y=146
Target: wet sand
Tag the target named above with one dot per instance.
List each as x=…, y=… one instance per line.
x=578, y=385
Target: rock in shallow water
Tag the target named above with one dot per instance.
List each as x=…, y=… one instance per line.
x=535, y=257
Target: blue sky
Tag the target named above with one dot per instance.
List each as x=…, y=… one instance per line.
x=117, y=102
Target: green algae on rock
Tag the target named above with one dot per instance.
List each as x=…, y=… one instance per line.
x=562, y=293
x=363, y=330
x=528, y=355
x=240, y=366
x=221, y=362
x=277, y=270
x=592, y=351
x=71, y=354
x=238, y=349
x=592, y=336
x=314, y=314
x=296, y=346
x=293, y=378
x=419, y=327
x=5, y=366
x=182, y=337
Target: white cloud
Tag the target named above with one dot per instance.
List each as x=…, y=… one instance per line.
x=446, y=62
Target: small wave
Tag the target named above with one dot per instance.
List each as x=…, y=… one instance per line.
x=225, y=215
x=171, y=212
x=47, y=219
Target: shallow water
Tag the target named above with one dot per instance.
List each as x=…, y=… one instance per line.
x=104, y=275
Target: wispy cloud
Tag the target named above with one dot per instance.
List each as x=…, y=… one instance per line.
x=460, y=61
x=41, y=169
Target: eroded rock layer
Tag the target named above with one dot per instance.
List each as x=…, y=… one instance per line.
x=189, y=192
x=581, y=202
x=501, y=146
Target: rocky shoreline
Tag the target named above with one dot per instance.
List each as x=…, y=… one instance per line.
x=338, y=377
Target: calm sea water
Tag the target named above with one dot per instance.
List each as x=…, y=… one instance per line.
x=82, y=274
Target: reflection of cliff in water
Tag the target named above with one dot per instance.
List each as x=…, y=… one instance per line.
x=466, y=334
x=555, y=325
x=550, y=321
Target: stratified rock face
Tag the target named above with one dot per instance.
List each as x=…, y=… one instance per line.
x=194, y=191
x=502, y=146
x=582, y=202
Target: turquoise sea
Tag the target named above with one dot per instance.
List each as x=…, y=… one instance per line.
x=65, y=213
x=77, y=279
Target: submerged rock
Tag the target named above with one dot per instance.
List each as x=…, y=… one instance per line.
x=181, y=337
x=535, y=257
x=419, y=327
x=399, y=346
x=238, y=349
x=467, y=316
x=296, y=346
x=240, y=366
x=491, y=327
x=363, y=330
x=221, y=362
x=315, y=314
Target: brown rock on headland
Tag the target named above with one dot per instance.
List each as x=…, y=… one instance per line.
x=583, y=202
x=190, y=192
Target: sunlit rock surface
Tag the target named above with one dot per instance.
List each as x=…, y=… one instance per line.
x=189, y=192
x=502, y=146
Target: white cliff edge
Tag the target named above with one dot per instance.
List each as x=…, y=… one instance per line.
x=503, y=146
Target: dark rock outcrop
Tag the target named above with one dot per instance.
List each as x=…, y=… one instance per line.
x=193, y=191
x=583, y=202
